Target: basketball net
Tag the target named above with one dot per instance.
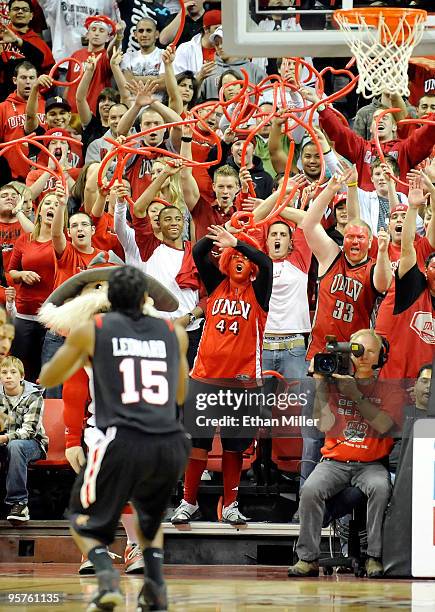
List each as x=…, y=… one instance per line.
x=382, y=45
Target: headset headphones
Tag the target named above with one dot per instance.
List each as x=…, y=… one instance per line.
x=383, y=353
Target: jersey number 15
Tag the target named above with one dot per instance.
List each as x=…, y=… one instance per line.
x=155, y=388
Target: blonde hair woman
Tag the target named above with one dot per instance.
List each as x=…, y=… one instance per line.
x=32, y=268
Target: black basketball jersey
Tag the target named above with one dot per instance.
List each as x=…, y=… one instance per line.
x=135, y=373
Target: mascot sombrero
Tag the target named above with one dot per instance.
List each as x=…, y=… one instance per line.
x=74, y=302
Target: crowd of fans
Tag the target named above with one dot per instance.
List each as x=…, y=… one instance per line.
x=360, y=255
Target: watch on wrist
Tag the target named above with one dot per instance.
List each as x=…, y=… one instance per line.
x=192, y=318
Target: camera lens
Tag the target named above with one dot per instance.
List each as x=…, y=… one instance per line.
x=326, y=364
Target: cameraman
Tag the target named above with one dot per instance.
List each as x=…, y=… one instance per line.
x=355, y=414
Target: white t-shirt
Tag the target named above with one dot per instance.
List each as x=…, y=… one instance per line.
x=142, y=65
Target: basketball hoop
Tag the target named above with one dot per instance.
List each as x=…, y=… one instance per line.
x=382, y=40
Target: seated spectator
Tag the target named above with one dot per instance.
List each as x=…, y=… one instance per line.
x=32, y=268
x=193, y=22
x=23, y=437
x=351, y=457
x=13, y=117
x=21, y=15
x=145, y=62
x=68, y=26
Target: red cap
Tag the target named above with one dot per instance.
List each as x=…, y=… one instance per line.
x=103, y=20
x=339, y=198
x=211, y=18
x=56, y=133
x=399, y=208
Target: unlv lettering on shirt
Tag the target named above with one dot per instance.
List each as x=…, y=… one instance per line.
x=350, y=286
x=20, y=120
x=232, y=308
x=429, y=85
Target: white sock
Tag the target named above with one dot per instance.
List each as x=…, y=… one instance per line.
x=128, y=522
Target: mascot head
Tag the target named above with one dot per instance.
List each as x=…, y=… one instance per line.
x=84, y=295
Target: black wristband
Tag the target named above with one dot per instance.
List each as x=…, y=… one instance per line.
x=186, y=139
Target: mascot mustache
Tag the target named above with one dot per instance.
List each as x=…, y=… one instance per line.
x=81, y=309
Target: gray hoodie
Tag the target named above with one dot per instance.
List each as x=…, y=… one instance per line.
x=209, y=87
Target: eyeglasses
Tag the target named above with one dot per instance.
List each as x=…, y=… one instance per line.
x=20, y=9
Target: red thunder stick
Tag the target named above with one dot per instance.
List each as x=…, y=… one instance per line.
x=64, y=61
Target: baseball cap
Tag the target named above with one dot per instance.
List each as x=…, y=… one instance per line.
x=339, y=198
x=56, y=133
x=57, y=101
x=398, y=208
x=218, y=32
x=211, y=18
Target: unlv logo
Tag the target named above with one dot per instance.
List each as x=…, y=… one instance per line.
x=423, y=325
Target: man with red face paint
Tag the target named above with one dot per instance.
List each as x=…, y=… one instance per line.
x=230, y=350
x=349, y=281
x=412, y=334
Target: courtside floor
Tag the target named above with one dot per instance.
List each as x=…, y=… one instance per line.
x=221, y=589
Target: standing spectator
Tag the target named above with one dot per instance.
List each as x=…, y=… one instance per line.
x=132, y=11
x=192, y=25
x=10, y=227
x=145, y=62
x=13, y=117
x=261, y=180
x=99, y=32
x=408, y=152
x=24, y=439
x=21, y=15
x=98, y=148
x=364, y=117
x=412, y=327
x=32, y=267
x=94, y=124
x=197, y=54
x=421, y=73
x=223, y=61
x=66, y=22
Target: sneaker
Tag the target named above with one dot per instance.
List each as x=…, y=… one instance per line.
x=232, y=515
x=374, y=568
x=152, y=597
x=86, y=567
x=18, y=513
x=185, y=513
x=109, y=596
x=133, y=559
x=304, y=569
x=206, y=475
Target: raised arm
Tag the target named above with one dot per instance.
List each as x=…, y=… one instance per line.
x=153, y=189
x=352, y=201
x=85, y=112
x=57, y=236
x=32, y=119
x=408, y=256
x=118, y=75
x=143, y=92
x=26, y=224
x=169, y=32
x=382, y=274
x=188, y=183
x=292, y=214
x=209, y=273
x=278, y=156
x=322, y=246
x=125, y=233
x=175, y=101
x=91, y=187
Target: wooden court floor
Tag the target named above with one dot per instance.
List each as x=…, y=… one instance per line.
x=221, y=589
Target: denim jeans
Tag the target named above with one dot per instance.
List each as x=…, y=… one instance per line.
x=288, y=362
x=20, y=454
x=52, y=344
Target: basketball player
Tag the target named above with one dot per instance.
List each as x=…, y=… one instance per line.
x=230, y=348
x=139, y=372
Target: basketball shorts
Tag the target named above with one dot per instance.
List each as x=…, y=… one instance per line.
x=127, y=465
